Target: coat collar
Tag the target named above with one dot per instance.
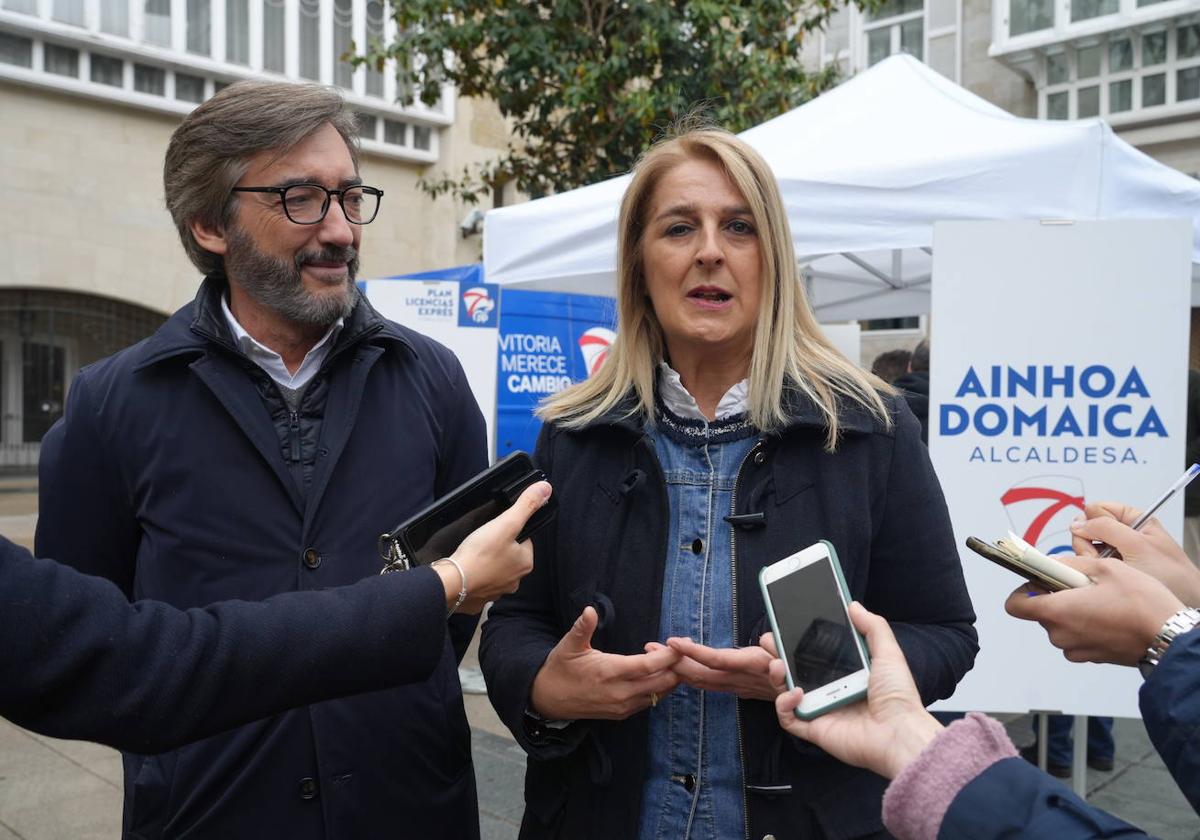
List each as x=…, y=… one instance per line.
x=200, y=325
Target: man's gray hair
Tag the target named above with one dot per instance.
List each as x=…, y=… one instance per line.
x=209, y=152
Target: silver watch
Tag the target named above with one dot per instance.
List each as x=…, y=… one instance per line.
x=1183, y=621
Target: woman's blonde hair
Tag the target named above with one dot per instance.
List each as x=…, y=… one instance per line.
x=790, y=351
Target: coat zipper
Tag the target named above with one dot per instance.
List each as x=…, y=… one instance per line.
x=294, y=434
x=737, y=633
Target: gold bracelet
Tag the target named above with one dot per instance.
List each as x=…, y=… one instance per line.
x=462, y=576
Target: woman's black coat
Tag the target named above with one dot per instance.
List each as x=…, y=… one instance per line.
x=877, y=500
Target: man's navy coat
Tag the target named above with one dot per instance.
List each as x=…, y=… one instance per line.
x=166, y=476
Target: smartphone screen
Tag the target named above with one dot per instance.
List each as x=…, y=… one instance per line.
x=814, y=627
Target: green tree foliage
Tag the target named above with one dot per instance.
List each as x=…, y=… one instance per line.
x=587, y=84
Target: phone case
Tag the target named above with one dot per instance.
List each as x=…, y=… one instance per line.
x=858, y=639
x=1004, y=560
x=439, y=529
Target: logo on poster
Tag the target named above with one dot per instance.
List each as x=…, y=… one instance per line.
x=594, y=345
x=1055, y=414
x=1040, y=510
x=479, y=304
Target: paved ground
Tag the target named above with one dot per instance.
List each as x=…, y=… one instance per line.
x=68, y=790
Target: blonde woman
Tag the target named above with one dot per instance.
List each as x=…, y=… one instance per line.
x=723, y=433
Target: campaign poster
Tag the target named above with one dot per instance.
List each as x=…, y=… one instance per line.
x=547, y=341
x=456, y=308
x=1058, y=378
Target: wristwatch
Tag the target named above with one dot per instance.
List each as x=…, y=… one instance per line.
x=1183, y=621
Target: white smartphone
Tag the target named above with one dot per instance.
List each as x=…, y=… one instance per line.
x=807, y=598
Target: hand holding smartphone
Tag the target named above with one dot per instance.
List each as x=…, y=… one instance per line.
x=807, y=598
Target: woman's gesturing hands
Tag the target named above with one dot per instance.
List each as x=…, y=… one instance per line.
x=740, y=671
x=578, y=681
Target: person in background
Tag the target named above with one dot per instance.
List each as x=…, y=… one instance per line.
x=722, y=433
x=890, y=365
x=965, y=780
x=80, y=661
x=914, y=385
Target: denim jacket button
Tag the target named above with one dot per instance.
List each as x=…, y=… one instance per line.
x=697, y=546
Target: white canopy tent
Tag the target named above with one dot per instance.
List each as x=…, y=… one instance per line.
x=865, y=170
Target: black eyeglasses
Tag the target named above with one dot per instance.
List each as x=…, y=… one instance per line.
x=307, y=204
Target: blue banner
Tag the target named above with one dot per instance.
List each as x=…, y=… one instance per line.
x=548, y=341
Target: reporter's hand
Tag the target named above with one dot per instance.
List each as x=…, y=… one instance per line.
x=1113, y=620
x=491, y=557
x=578, y=682
x=740, y=671
x=1151, y=549
x=883, y=733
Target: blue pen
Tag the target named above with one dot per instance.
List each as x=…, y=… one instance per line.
x=1181, y=482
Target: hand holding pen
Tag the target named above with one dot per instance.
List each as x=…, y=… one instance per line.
x=1144, y=543
x=1180, y=483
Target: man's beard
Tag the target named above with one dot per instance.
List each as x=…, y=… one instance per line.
x=277, y=285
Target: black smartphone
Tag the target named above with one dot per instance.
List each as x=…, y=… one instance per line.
x=991, y=552
x=438, y=530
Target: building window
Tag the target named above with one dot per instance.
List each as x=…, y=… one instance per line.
x=1086, y=9
x=28, y=7
x=61, y=61
x=310, y=39
x=1154, y=90
x=1058, y=106
x=1154, y=48
x=199, y=46
x=1087, y=61
x=1088, y=103
x=343, y=37
x=1188, y=41
x=189, y=88
x=368, y=125
x=1030, y=16
x=114, y=17
x=896, y=26
x=149, y=80
x=237, y=31
x=1187, y=84
x=1127, y=72
x=422, y=137
x=107, y=70
x=69, y=11
x=199, y=27
x=16, y=50
x=374, y=85
x=156, y=22
x=395, y=132
x=1120, y=96
x=274, y=36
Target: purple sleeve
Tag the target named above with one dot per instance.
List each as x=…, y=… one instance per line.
x=917, y=799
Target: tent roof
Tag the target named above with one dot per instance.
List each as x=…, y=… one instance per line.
x=865, y=170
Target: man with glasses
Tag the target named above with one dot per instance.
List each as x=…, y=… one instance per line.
x=258, y=443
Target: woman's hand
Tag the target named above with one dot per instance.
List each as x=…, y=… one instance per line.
x=491, y=558
x=740, y=671
x=578, y=682
x=1150, y=550
x=1112, y=620
x=885, y=732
